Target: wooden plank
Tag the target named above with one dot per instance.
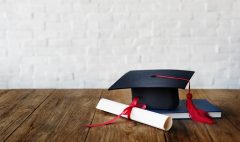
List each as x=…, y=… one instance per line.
x=16, y=106
x=123, y=130
x=226, y=128
x=221, y=131
x=2, y=92
x=60, y=117
x=188, y=130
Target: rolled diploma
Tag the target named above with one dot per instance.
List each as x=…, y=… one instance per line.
x=140, y=115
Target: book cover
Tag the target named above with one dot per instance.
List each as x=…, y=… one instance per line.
x=182, y=113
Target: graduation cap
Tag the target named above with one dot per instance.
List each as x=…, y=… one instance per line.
x=151, y=89
x=158, y=89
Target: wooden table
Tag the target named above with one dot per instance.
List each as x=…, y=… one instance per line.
x=58, y=115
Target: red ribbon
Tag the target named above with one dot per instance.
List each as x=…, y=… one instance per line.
x=194, y=113
x=127, y=111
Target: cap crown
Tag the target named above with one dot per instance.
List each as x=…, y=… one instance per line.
x=145, y=79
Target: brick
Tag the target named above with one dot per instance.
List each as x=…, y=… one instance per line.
x=220, y=5
x=196, y=5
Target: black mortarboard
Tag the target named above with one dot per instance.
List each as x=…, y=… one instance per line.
x=155, y=92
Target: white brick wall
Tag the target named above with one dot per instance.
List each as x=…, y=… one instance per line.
x=91, y=43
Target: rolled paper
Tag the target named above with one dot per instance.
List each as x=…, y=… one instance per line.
x=153, y=119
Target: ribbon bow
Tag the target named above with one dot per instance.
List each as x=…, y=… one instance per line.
x=127, y=111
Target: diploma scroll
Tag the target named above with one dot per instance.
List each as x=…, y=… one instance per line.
x=140, y=115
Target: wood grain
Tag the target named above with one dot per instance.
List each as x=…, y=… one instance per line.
x=16, y=106
x=226, y=128
x=222, y=130
x=60, y=117
x=187, y=130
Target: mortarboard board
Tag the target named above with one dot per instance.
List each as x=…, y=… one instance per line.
x=158, y=89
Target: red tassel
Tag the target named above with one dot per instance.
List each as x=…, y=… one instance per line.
x=197, y=114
